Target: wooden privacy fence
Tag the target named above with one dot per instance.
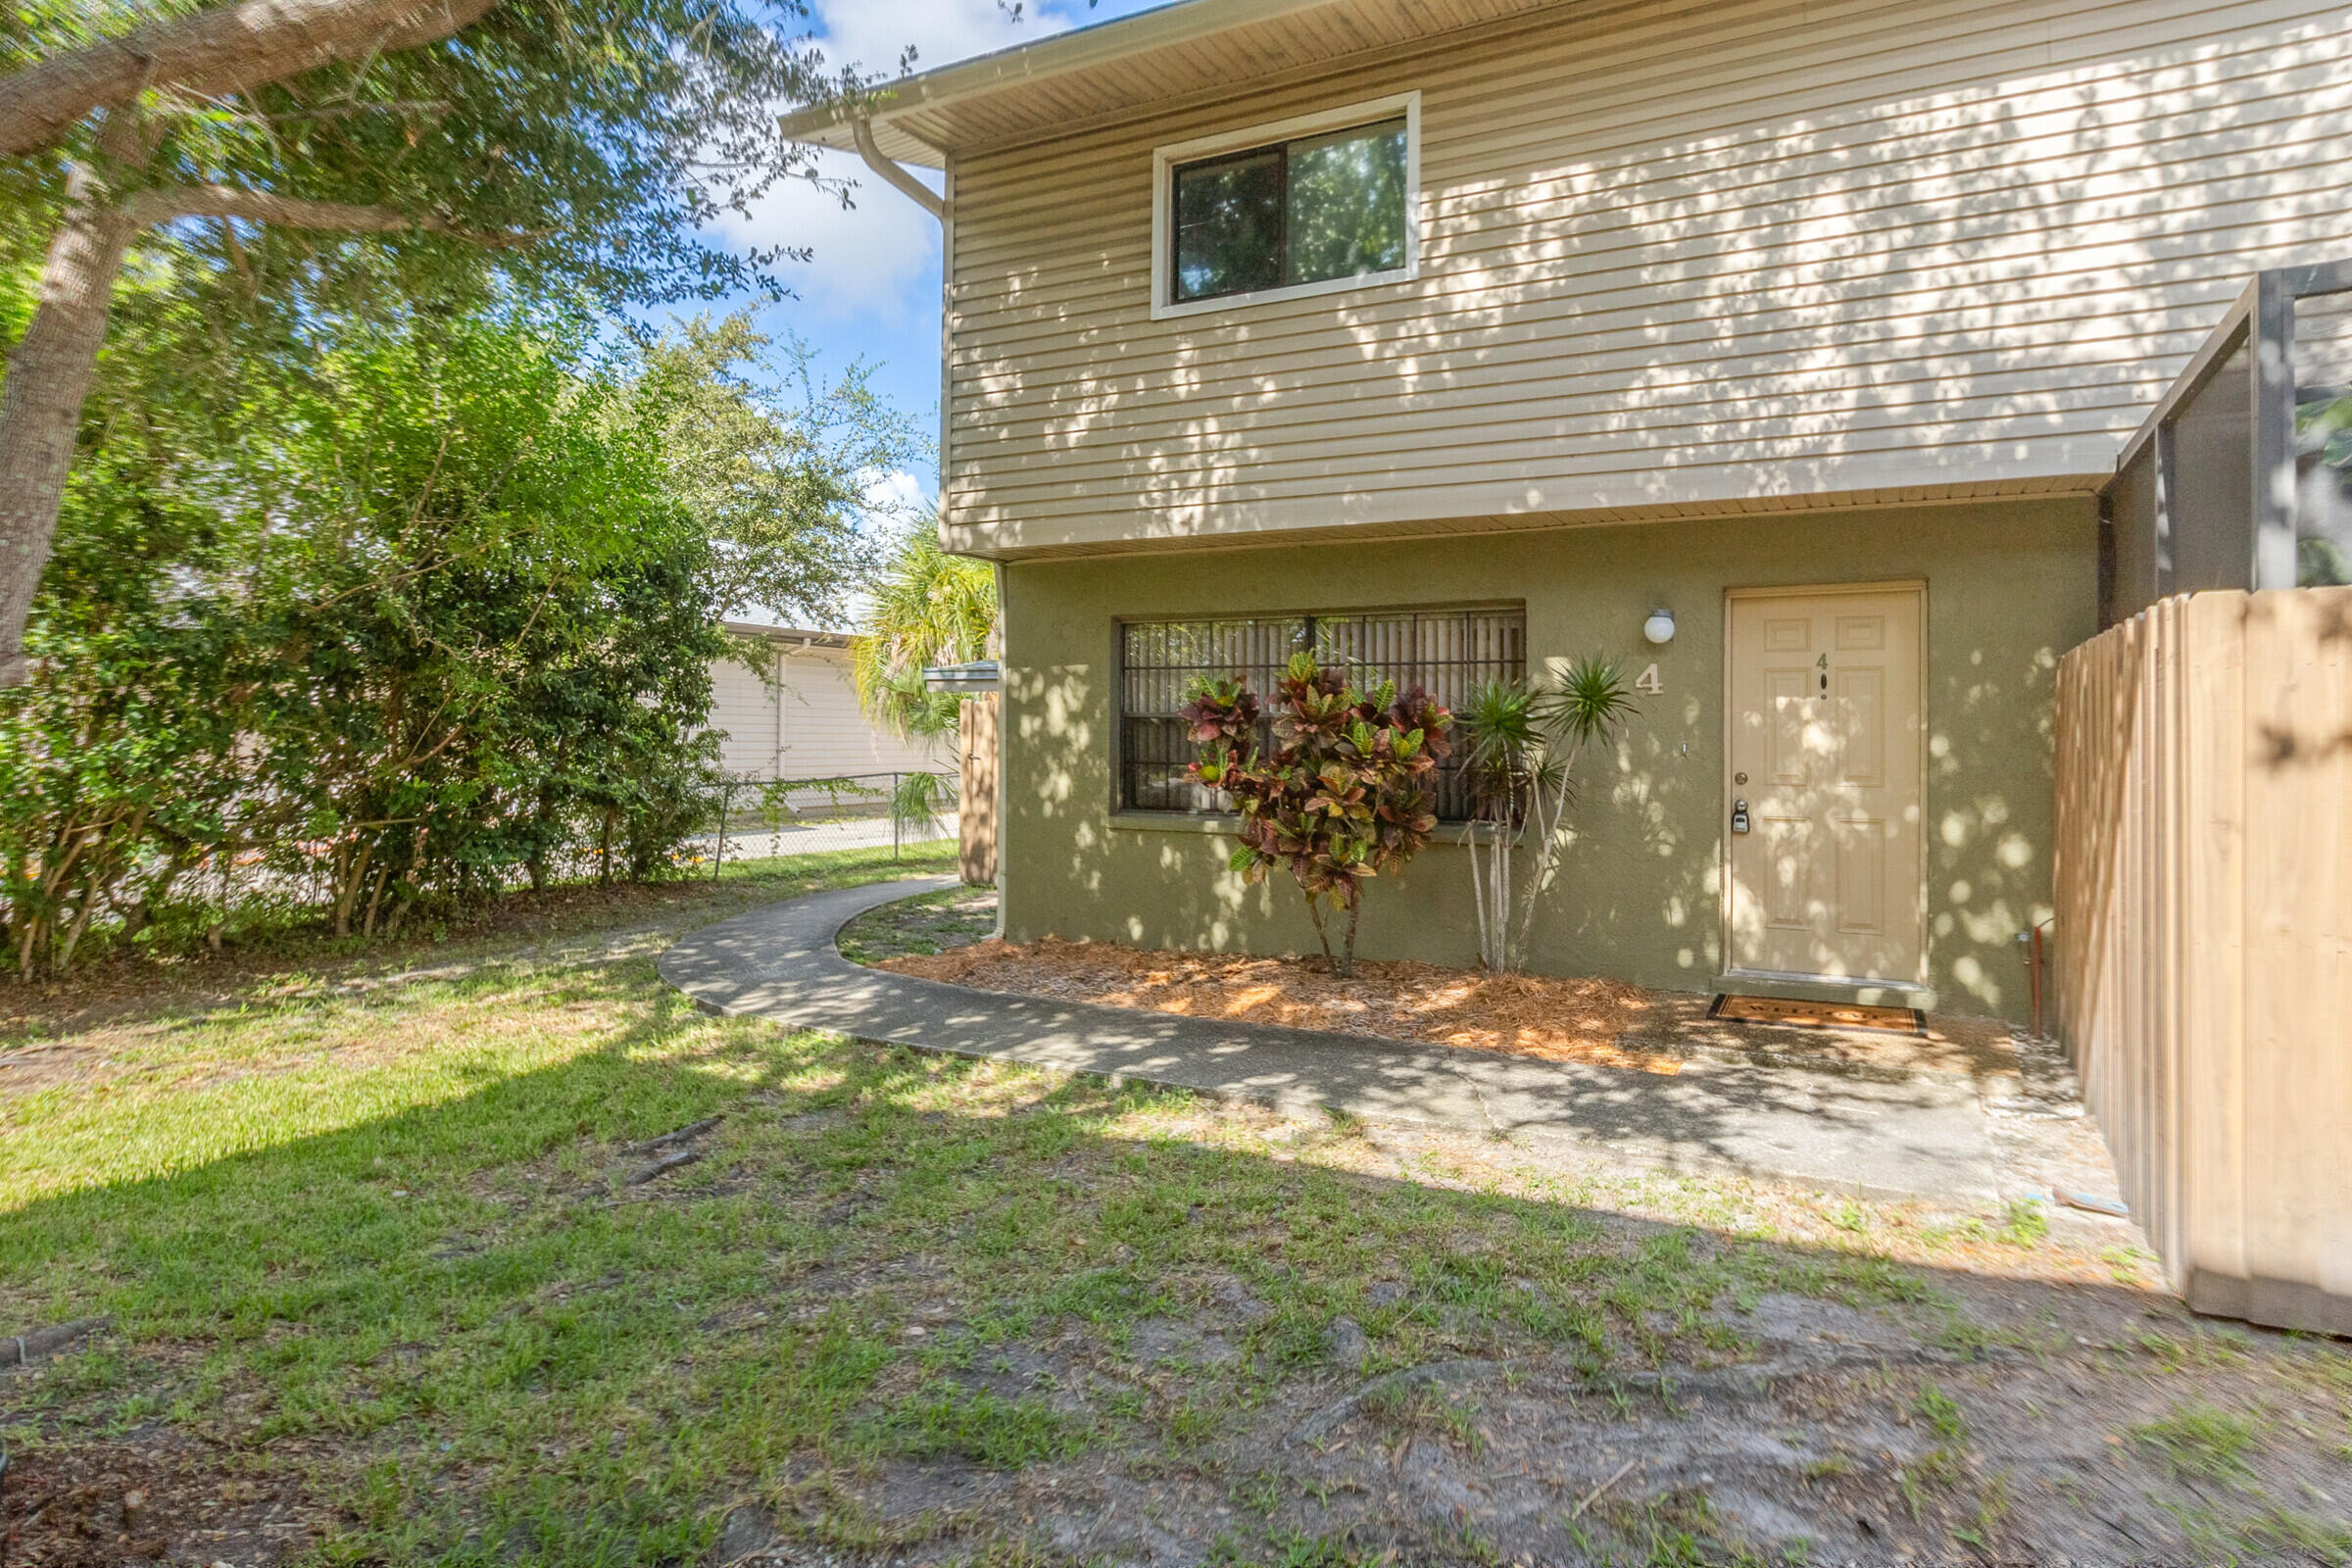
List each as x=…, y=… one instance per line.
x=976, y=817
x=2203, y=956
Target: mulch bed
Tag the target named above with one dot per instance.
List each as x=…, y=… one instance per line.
x=1608, y=1023
x=1522, y=1016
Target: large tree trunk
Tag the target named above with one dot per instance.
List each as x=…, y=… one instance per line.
x=49, y=376
x=50, y=373
x=221, y=49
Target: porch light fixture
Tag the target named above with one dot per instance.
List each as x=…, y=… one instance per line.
x=1660, y=628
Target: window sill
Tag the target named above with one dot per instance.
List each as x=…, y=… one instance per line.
x=1230, y=826
x=1175, y=822
x=1165, y=310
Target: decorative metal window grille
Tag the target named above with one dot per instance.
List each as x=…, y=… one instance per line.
x=1446, y=653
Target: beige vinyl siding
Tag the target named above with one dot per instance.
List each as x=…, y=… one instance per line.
x=1685, y=260
x=742, y=709
x=810, y=727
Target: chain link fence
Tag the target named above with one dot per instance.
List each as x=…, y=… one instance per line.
x=762, y=818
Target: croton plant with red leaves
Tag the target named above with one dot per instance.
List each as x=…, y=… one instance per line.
x=1346, y=790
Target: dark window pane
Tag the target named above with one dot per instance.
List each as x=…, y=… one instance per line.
x=1448, y=653
x=1345, y=203
x=1229, y=225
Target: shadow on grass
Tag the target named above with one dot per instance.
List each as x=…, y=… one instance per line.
x=907, y=1301
x=130, y=987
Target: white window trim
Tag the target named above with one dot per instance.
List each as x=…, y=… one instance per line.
x=1165, y=159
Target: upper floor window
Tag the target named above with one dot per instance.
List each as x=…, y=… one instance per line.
x=1301, y=207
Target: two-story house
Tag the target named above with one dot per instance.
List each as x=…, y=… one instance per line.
x=1777, y=348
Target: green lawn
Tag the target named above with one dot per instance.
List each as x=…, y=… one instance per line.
x=376, y=1263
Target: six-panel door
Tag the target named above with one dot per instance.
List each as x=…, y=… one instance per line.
x=1825, y=749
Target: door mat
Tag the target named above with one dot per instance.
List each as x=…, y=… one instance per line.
x=1819, y=1015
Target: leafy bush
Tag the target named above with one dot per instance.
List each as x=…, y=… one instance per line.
x=919, y=800
x=1338, y=788
x=429, y=612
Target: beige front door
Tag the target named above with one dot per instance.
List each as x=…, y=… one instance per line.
x=1825, y=752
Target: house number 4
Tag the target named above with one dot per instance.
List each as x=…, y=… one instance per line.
x=1649, y=681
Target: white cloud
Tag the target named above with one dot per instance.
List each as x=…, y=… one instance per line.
x=869, y=258
x=895, y=494
x=872, y=34
x=866, y=258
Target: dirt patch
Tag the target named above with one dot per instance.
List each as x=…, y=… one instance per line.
x=150, y=1496
x=52, y=1064
x=1604, y=1023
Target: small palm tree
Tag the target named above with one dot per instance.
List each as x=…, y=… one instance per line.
x=928, y=608
x=1519, y=742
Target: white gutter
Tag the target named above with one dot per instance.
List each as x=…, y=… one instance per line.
x=863, y=129
x=1003, y=744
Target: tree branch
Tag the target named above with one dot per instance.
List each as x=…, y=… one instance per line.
x=224, y=49
x=398, y=106
x=162, y=203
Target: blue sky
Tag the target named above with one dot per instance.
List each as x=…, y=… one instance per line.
x=871, y=289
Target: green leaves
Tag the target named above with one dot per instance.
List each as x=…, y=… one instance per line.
x=928, y=608
x=595, y=140
x=773, y=461
x=1585, y=702
x=398, y=615
x=1520, y=744
x=1339, y=794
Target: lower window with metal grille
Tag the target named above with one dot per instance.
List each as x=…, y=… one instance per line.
x=1446, y=652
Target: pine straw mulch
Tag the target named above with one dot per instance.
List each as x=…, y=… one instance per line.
x=1522, y=1016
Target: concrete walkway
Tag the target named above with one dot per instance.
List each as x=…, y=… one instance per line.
x=1925, y=1136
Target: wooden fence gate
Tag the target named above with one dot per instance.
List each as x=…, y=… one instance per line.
x=976, y=799
x=2203, y=956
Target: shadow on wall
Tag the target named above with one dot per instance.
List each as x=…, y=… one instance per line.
x=1864, y=287
x=1653, y=802
x=1638, y=893
x=1988, y=879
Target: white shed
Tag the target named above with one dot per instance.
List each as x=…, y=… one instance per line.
x=802, y=721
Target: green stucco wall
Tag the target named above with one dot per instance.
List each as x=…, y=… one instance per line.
x=2010, y=586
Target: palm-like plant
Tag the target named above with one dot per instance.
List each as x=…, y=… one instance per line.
x=1519, y=742
x=928, y=608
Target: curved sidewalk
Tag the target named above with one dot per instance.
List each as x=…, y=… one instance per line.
x=1922, y=1136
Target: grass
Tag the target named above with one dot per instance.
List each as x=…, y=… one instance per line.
x=1681, y=1530
x=942, y=1418
x=372, y=1236
x=2198, y=1441
x=367, y=1235
x=925, y=925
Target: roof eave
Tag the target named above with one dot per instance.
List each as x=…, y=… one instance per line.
x=1082, y=48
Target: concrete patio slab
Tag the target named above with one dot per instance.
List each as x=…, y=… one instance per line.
x=1926, y=1136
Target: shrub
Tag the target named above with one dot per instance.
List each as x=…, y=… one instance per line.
x=1338, y=788
x=1521, y=740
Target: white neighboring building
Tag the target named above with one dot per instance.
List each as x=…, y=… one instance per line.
x=807, y=724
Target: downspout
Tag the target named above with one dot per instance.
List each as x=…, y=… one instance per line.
x=943, y=208
x=914, y=189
